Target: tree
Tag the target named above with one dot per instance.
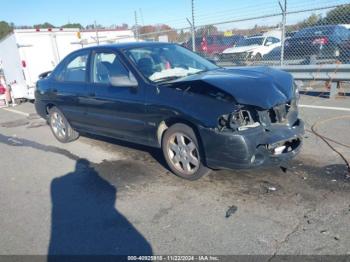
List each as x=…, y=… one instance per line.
x=125, y=26
x=44, y=25
x=73, y=25
x=312, y=20
x=207, y=30
x=5, y=29
x=338, y=15
x=147, y=29
x=93, y=26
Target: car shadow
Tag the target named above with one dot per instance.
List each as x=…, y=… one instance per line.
x=84, y=220
x=154, y=152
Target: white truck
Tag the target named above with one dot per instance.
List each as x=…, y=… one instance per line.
x=26, y=53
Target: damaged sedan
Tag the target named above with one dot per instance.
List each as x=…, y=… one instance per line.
x=162, y=95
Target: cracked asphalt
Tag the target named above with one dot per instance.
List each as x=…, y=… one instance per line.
x=104, y=196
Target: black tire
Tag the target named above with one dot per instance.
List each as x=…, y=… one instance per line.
x=183, y=158
x=60, y=127
x=258, y=57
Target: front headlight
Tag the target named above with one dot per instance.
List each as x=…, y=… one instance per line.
x=241, y=119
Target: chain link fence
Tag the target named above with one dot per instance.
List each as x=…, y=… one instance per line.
x=287, y=34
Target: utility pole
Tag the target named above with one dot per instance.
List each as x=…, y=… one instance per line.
x=96, y=30
x=284, y=20
x=136, y=27
x=193, y=28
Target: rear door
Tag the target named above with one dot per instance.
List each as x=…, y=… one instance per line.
x=69, y=90
x=117, y=109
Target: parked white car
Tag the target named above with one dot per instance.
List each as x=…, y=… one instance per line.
x=252, y=48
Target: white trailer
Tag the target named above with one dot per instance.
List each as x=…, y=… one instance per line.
x=27, y=53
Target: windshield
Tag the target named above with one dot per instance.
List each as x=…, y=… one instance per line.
x=251, y=41
x=167, y=62
x=232, y=40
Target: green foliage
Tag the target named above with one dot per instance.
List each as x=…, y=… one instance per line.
x=5, y=29
x=44, y=25
x=312, y=20
x=207, y=30
x=338, y=15
x=73, y=25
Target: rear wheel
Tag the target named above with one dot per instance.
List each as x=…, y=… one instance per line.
x=182, y=152
x=60, y=127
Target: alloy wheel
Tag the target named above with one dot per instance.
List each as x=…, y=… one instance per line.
x=183, y=154
x=58, y=126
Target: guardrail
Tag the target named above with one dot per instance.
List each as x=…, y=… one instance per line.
x=334, y=73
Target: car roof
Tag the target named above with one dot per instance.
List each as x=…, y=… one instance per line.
x=318, y=27
x=127, y=45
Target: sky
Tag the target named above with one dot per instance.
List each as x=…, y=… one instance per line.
x=171, y=12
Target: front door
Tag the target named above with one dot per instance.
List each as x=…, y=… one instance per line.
x=117, y=106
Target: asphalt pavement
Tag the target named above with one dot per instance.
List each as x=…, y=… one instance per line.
x=104, y=196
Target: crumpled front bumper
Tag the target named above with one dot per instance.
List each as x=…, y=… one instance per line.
x=251, y=148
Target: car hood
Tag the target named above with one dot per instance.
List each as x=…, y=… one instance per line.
x=263, y=87
x=240, y=49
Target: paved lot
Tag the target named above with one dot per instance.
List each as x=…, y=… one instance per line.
x=103, y=196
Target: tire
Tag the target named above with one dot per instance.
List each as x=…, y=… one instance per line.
x=258, y=57
x=60, y=127
x=183, y=153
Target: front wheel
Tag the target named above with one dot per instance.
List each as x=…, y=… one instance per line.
x=182, y=152
x=60, y=126
x=258, y=57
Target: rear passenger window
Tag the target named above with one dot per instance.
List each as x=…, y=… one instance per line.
x=75, y=70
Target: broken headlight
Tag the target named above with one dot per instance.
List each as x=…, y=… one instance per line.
x=241, y=119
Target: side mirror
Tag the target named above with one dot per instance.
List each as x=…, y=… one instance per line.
x=268, y=43
x=123, y=81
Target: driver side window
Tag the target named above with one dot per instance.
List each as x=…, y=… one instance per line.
x=106, y=66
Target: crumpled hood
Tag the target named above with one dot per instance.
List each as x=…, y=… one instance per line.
x=240, y=49
x=264, y=87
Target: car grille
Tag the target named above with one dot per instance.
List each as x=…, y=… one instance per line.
x=286, y=114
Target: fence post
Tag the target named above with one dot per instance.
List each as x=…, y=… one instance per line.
x=193, y=29
x=333, y=92
x=284, y=18
x=193, y=35
x=96, y=32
